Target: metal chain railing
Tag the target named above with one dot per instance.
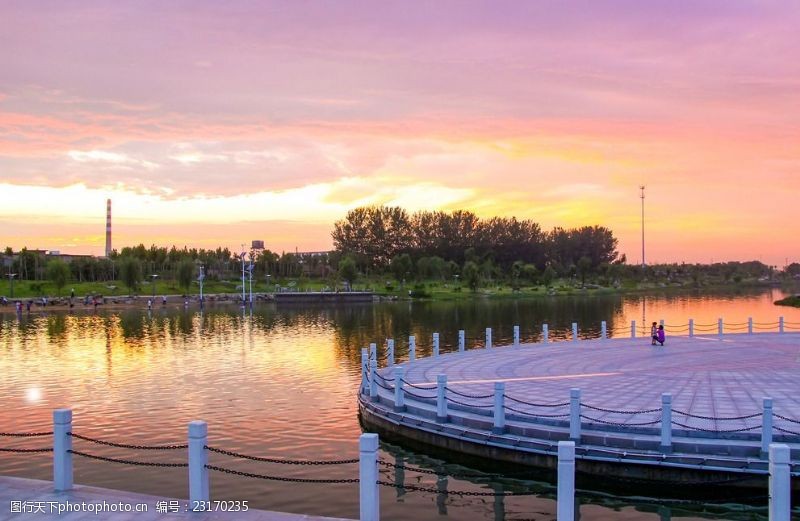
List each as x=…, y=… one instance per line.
x=127, y=446
x=479, y=406
x=4, y=449
x=26, y=434
x=703, y=429
x=621, y=424
x=716, y=418
x=279, y=478
x=429, y=387
x=127, y=462
x=532, y=415
x=465, y=395
x=431, y=490
x=534, y=404
x=418, y=396
x=785, y=431
x=784, y=418
x=617, y=411
x=280, y=461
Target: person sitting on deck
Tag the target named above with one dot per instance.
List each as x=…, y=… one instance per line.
x=661, y=335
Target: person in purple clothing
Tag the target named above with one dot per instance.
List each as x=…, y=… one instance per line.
x=661, y=335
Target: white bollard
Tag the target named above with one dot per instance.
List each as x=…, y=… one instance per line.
x=780, y=493
x=412, y=348
x=545, y=332
x=373, y=351
x=198, y=459
x=499, y=413
x=720, y=327
x=633, y=329
x=766, y=426
x=565, y=509
x=461, y=341
x=62, y=444
x=603, y=330
x=488, y=338
x=368, y=477
x=691, y=327
x=441, y=399
x=399, y=393
x=780, y=324
x=516, y=336
x=574, y=332
x=390, y=352
x=750, y=326
x=666, y=423
x=436, y=344
x=364, y=369
x=575, y=414
x=661, y=322
x=373, y=380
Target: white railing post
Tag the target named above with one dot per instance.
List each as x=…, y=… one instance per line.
x=546, y=333
x=750, y=326
x=633, y=329
x=198, y=459
x=373, y=380
x=364, y=369
x=780, y=324
x=691, y=327
x=780, y=493
x=412, y=348
x=368, y=477
x=766, y=426
x=461, y=341
x=488, y=338
x=399, y=393
x=575, y=414
x=666, y=423
x=373, y=351
x=661, y=322
x=436, y=344
x=516, y=336
x=499, y=413
x=62, y=445
x=720, y=327
x=441, y=399
x=603, y=330
x=390, y=352
x=574, y=331
x=565, y=509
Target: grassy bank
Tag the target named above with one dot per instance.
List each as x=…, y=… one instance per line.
x=793, y=301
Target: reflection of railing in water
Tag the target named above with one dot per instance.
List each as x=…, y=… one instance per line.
x=369, y=478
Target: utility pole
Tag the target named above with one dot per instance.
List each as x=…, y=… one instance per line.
x=641, y=187
x=244, y=299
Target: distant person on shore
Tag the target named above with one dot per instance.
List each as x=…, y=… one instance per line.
x=661, y=336
x=653, y=334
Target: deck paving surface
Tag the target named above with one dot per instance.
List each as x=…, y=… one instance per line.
x=707, y=376
x=39, y=496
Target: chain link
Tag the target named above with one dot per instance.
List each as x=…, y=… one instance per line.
x=26, y=434
x=621, y=424
x=702, y=429
x=420, y=387
x=784, y=418
x=49, y=449
x=280, y=461
x=786, y=431
x=128, y=462
x=279, y=478
x=418, y=396
x=615, y=411
x=715, y=418
x=126, y=446
x=532, y=404
x=524, y=413
x=477, y=405
x=465, y=395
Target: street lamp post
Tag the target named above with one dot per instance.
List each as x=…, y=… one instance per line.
x=250, y=270
x=11, y=284
x=153, y=278
x=243, y=285
x=200, y=279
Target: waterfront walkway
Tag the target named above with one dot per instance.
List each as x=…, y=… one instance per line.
x=42, y=503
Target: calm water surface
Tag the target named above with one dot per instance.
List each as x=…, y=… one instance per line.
x=281, y=382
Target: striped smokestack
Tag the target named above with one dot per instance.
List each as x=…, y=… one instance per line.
x=108, y=227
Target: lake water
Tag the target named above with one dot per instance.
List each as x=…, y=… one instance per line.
x=281, y=382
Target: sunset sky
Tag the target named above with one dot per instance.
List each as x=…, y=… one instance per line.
x=214, y=123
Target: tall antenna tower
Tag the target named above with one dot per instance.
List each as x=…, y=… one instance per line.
x=641, y=187
x=108, y=227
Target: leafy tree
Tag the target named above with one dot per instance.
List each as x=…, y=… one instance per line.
x=548, y=276
x=185, y=275
x=401, y=265
x=472, y=275
x=348, y=270
x=583, y=267
x=58, y=273
x=130, y=272
x=530, y=272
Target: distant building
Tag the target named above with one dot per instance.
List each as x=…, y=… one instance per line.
x=257, y=245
